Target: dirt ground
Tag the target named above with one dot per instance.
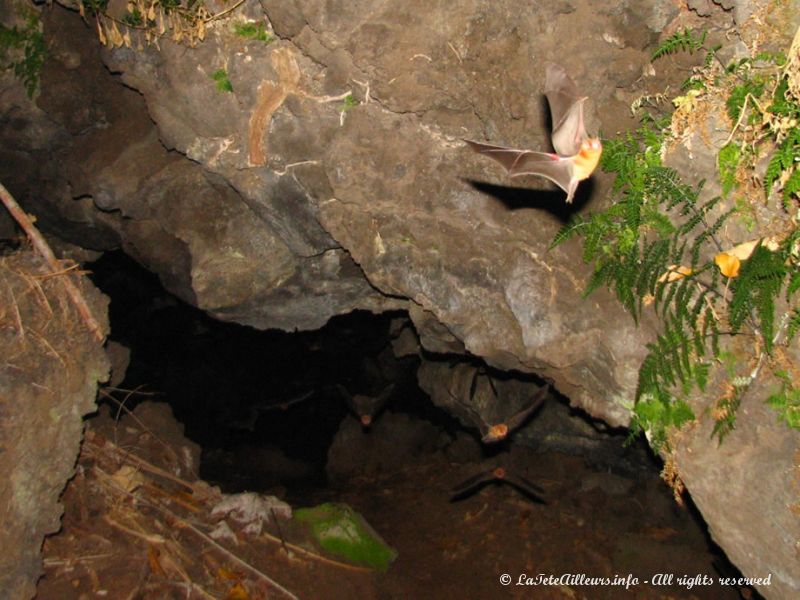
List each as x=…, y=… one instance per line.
x=138, y=525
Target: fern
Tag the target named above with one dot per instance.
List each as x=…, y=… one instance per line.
x=784, y=159
x=754, y=292
x=728, y=161
x=29, y=40
x=657, y=415
x=685, y=40
x=739, y=94
x=654, y=246
x=725, y=416
x=793, y=325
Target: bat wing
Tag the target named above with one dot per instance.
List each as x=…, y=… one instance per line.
x=471, y=484
x=519, y=418
x=527, y=162
x=385, y=393
x=566, y=109
x=476, y=419
x=527, y=487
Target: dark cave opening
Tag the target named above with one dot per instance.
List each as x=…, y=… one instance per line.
x=251, y=398
x=233, y=386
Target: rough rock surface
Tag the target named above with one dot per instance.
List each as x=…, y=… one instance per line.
x=48, y=380
x=759, y=533
x=274, y=206
x=280, y=205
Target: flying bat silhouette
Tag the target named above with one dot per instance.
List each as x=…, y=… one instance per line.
x=497, y=475
x=492, y=433
x=576, y=155
x=366, y=408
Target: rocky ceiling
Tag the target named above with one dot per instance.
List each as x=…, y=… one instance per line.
x=326, y=173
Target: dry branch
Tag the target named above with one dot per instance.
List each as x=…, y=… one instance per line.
x=44, y=250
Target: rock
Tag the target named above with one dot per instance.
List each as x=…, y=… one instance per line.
x=278, y=205
x=120, y=358
x=393, y=441
x=612, y=485
x=48, y=382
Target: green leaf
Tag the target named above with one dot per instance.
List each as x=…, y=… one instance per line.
x=728, y=160
x=684, y=40
x=342, y=531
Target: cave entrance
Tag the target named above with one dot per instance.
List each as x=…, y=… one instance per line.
x=273, y=412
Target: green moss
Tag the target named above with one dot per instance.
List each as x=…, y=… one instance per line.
x=253, y=30
x=223, y=83
x=343, y=532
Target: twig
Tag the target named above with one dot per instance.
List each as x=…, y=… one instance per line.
x=242, y=563
x=314, y=555
x=280, y=533
x=152, y=538
x=146, y=466
x=15, y=306
x=219, y=15
x=44, y=250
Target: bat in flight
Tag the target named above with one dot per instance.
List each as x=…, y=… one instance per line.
x=497, y=475
x=366, y=408
x=576, y=154
x=492, y=433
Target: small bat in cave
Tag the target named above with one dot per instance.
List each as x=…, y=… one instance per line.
x=492, y=433
x=576, y=155
x=366, y=408
x=497, y=475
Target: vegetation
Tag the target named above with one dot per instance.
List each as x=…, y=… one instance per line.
x=685, y=40
x=658, y=245
x=223, y=83
x=23, y=50
x=184, y=21
x=253, y=31
x=349, y=102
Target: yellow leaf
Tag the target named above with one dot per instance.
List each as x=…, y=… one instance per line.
x=744, y=250
x=674, y=273
x=237, y=592
x=115, y=36
x=101, y=34
x=128, y=478
x=728, y=264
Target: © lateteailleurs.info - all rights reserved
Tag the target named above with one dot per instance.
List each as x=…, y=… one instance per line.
x=628, y=581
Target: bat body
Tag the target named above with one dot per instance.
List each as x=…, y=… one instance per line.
x=366, y=408
x=576, y=154
x=493, y=433
x=497, y=475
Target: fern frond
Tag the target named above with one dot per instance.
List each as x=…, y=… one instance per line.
x=569, y=230
x=755, y=290
x=685, y=40
x=793, y=325
x=782, y=160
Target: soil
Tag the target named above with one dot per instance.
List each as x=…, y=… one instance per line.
x=143, y=533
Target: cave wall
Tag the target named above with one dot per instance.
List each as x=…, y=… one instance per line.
x=279, y=204
x=273, y=206
x=50, y=367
